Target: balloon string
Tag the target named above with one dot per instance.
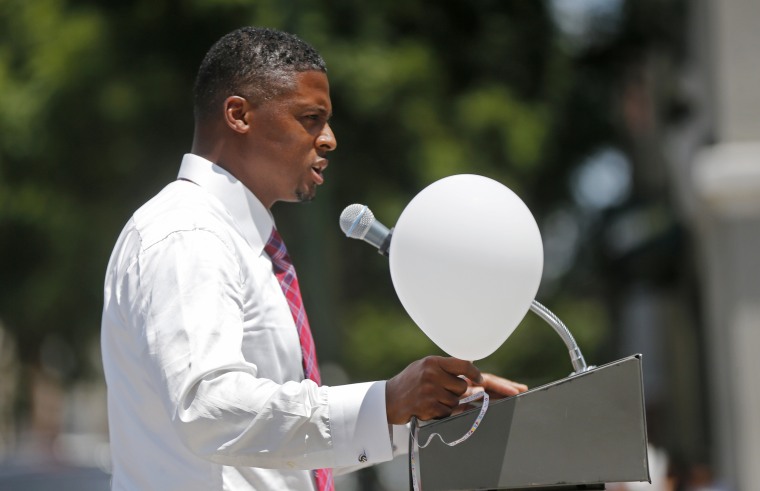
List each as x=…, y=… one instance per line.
x=416, y=482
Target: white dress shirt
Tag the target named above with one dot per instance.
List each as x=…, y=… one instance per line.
x=202, y=359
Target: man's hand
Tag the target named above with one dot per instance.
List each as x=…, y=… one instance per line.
x=432, y=387
x=496, y=387
x=429, y=388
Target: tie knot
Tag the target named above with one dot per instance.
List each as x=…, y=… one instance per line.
x=275, y=248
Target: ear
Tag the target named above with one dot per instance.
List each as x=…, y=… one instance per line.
x=237, y=113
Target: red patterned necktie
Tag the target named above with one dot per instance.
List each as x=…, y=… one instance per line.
x=286, y=274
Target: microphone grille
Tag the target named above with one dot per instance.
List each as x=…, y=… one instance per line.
x=356, y=220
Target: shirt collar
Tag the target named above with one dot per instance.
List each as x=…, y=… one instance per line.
x=251, y=217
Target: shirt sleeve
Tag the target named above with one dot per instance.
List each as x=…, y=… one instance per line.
x=399, y=446
x=189, y=304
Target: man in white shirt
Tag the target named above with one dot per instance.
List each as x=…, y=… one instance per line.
x=201, y=351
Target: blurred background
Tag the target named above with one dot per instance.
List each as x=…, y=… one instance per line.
x=630, y=128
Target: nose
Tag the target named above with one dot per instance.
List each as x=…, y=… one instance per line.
x=326, y=140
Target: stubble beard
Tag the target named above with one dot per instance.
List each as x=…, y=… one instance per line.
x=306, y=196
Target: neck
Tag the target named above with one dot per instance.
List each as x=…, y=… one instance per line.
x=207, y=144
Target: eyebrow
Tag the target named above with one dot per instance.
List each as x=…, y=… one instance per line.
x=321, y=109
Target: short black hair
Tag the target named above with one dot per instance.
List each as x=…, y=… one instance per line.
x=254, y=62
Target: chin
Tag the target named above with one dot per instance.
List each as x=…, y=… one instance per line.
x=302, y=197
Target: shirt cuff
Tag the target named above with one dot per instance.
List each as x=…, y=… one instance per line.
x=359, y=424
x=400, y=439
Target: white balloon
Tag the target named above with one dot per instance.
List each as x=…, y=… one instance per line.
x=466, y=261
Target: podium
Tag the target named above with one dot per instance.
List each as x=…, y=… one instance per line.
x=579, y=432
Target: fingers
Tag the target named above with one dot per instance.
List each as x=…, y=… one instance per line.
x=428, y=388
x=432, y=387
x=500, y=386
x=457, y=367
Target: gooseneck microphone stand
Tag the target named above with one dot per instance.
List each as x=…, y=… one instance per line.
x=576, y=357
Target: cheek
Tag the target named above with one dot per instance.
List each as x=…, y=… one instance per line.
x=299, y=148
x=289, y=144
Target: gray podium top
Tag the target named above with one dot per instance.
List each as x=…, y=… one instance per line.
x=581, y=431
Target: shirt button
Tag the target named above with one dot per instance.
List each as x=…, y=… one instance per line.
x=363, y=457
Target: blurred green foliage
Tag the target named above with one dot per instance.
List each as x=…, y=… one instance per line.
x=95, y=114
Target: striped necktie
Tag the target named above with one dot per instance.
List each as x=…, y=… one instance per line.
x=286, y=275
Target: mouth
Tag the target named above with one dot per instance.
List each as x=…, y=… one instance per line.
x=317, y=171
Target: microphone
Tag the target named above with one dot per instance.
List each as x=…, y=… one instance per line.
x=358, y=222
